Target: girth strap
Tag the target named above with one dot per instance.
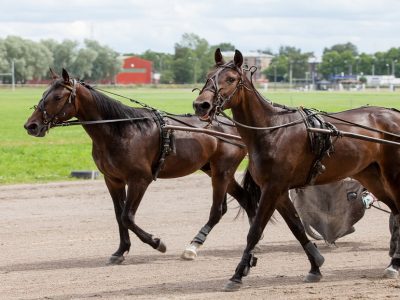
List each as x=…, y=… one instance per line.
x=165, y=143
x=321, y=144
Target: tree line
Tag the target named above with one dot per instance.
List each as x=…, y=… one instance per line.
x=32, y=60
x=193, y=57
x=337, y=61
x=189, y=63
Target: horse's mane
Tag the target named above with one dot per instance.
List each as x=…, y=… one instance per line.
x=110, y=108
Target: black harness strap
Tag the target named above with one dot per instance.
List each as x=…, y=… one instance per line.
x=321, y=144
x=165, y=143
x=173, y=117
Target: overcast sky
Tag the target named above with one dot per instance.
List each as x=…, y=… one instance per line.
x=138, y=25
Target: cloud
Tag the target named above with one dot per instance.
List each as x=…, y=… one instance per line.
x=135, y=26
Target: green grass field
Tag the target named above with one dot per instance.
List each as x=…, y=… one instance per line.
x=27, y=159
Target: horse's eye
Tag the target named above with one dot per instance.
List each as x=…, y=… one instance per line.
x=230, y=80
x=57, y=97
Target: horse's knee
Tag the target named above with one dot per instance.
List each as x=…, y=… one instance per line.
x=126, y=221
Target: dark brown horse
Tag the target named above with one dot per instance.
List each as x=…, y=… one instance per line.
x=127, y=152
x=280, y=152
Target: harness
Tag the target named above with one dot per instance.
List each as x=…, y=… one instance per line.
x=166, y=143
x=321, y=143
x=166, y=135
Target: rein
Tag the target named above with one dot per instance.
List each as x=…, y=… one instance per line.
x=76, y=122
x=219, y=110
x=53, y=122
x=381, y=209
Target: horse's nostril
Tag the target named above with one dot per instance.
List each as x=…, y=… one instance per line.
x=30, y=126
x=205, y=105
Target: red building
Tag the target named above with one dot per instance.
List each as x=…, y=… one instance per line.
x=135, y=70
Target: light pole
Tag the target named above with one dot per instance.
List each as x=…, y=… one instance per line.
x=373, y=66
x=388, y=69
x=194, y=67
x=274, y=76
x=13, y=74
x=357, y=61
x=394, y=61
x=290, y=74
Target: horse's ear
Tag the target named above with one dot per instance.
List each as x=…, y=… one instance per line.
x=219, y=60
x=238, y=59
x=65, y=75
x=53, y=74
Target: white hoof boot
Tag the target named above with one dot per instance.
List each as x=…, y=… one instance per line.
x=190, y=252
x=390, y=272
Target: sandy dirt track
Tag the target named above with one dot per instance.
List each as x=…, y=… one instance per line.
x=55, y=240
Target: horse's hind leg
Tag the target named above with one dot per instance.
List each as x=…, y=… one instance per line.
x=136, y=190
x=386, y=190
x=218, y=209
x=118, y=195
x=289, y=214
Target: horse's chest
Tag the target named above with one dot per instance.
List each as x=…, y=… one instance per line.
x=116, y=159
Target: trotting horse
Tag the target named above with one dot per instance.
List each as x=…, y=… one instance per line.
x=126, y=149
x=281, y=155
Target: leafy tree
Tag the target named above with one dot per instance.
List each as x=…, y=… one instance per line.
x=340, y=48
x=64, y=54
x=4, y=63
x=192, y=59
x=83, y=64
x=223, y=47
x=288, y=58
x=106, y=65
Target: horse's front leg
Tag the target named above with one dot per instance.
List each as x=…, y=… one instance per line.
x=218, y=209
x=287, y=210
x=118, y=195
x=270, y=194
x=136, y=189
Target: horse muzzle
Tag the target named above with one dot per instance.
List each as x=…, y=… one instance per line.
x=36, y=129
x=203, y=110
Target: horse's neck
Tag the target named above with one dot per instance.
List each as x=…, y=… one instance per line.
x=253, y=111
x=88, y=111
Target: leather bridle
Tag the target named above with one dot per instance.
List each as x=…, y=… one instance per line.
x=220, y=100
x=50, y=120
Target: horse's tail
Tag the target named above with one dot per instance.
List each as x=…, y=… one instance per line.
x=253, y=192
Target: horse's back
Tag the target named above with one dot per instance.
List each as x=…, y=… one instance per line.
x=192, y=150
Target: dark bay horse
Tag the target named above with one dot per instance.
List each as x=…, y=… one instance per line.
x=128, y=152
x=281, y=155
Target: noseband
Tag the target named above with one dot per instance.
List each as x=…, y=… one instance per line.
x=221, y=100
x=51, y=120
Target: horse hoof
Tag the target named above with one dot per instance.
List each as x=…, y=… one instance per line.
x=232, y=286
x=390, y=273
x=311, y=277
x=189, y=253
x=115, y=260
x=162, y=247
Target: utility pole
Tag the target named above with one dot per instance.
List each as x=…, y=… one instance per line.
x=12, y=75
